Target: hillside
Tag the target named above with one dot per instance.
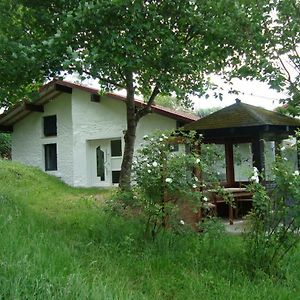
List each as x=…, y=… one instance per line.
x=58, y=242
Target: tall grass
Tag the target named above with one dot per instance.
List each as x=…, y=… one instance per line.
x=57, y=242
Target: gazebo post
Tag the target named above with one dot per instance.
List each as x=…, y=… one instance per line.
x=229, y=163
x=258, y=154
x=277, y=147
x=298, y=151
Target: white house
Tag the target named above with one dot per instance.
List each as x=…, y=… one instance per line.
x=72, y=132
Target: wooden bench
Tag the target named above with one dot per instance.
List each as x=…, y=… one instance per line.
x=239, y=195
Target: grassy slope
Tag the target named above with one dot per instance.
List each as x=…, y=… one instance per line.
x=57, y=243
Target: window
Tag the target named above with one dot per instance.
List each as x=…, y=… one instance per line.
x=214, y=154
x=243, y=161
x=50, y=157
x=100, y=163
x=174, y=147
x=115, y=176
x=95, y=98
x=50, y=128
x=116, y=148
x=180, y=124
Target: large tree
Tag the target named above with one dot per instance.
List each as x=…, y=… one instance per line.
x=145, y=46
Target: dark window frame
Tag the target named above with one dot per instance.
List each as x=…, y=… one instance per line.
x=115, y=176
x=119, y=151
x=50, y=157
x=50, y=125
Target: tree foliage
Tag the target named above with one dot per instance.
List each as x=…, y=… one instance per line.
x=147, y=47
x=203, y=112
x=279, y=63
x=287, y=39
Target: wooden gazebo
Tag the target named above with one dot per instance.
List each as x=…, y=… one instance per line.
x=243, y=123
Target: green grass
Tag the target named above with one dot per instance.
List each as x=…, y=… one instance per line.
x=57, y=242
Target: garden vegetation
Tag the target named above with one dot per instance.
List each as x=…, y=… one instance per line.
x=66, y=243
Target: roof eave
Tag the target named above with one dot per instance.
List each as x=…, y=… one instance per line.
x=57, y=87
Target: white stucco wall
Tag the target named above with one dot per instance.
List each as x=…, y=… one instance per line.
x=103, y=121
x=28, y=139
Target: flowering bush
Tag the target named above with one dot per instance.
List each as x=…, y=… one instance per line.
x=275, y=218
x=164, y=178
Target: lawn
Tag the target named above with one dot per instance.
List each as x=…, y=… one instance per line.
x=58, y=242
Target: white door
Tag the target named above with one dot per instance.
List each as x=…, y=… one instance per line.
x=100, y=163
x=104, y=159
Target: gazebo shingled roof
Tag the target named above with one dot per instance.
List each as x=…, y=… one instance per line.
x=242, y=115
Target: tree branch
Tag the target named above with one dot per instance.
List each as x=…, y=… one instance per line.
x=289, y=79
x=105, y=80
x=100, y=78
x=146, y=109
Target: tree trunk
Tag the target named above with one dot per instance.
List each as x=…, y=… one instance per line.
x=125, y=175
x=133, y=117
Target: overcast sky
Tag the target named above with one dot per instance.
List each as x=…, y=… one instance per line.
x=252, y=92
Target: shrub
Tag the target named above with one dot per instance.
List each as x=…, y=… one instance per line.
x=274, y=220
x=164, y=179
x=5, y=145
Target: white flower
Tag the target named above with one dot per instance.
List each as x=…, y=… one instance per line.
x=169, y=180
x=145, y=137
x=282, y=148
x=164, y=136
x=194, y=186
x=149, y=171
x=148, y=165
x=181, y=222
x=160, y=139
x=197, y=161
x=205, y=199
x=254, y=178
x=285, y=159
x=196, y=179
x=296, y=173
x=154, y=164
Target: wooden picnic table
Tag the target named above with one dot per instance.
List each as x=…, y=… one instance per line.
x=239, y=195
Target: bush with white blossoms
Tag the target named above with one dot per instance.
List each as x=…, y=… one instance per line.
x=164, y=178
x=255, y=175
x=274, y=219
